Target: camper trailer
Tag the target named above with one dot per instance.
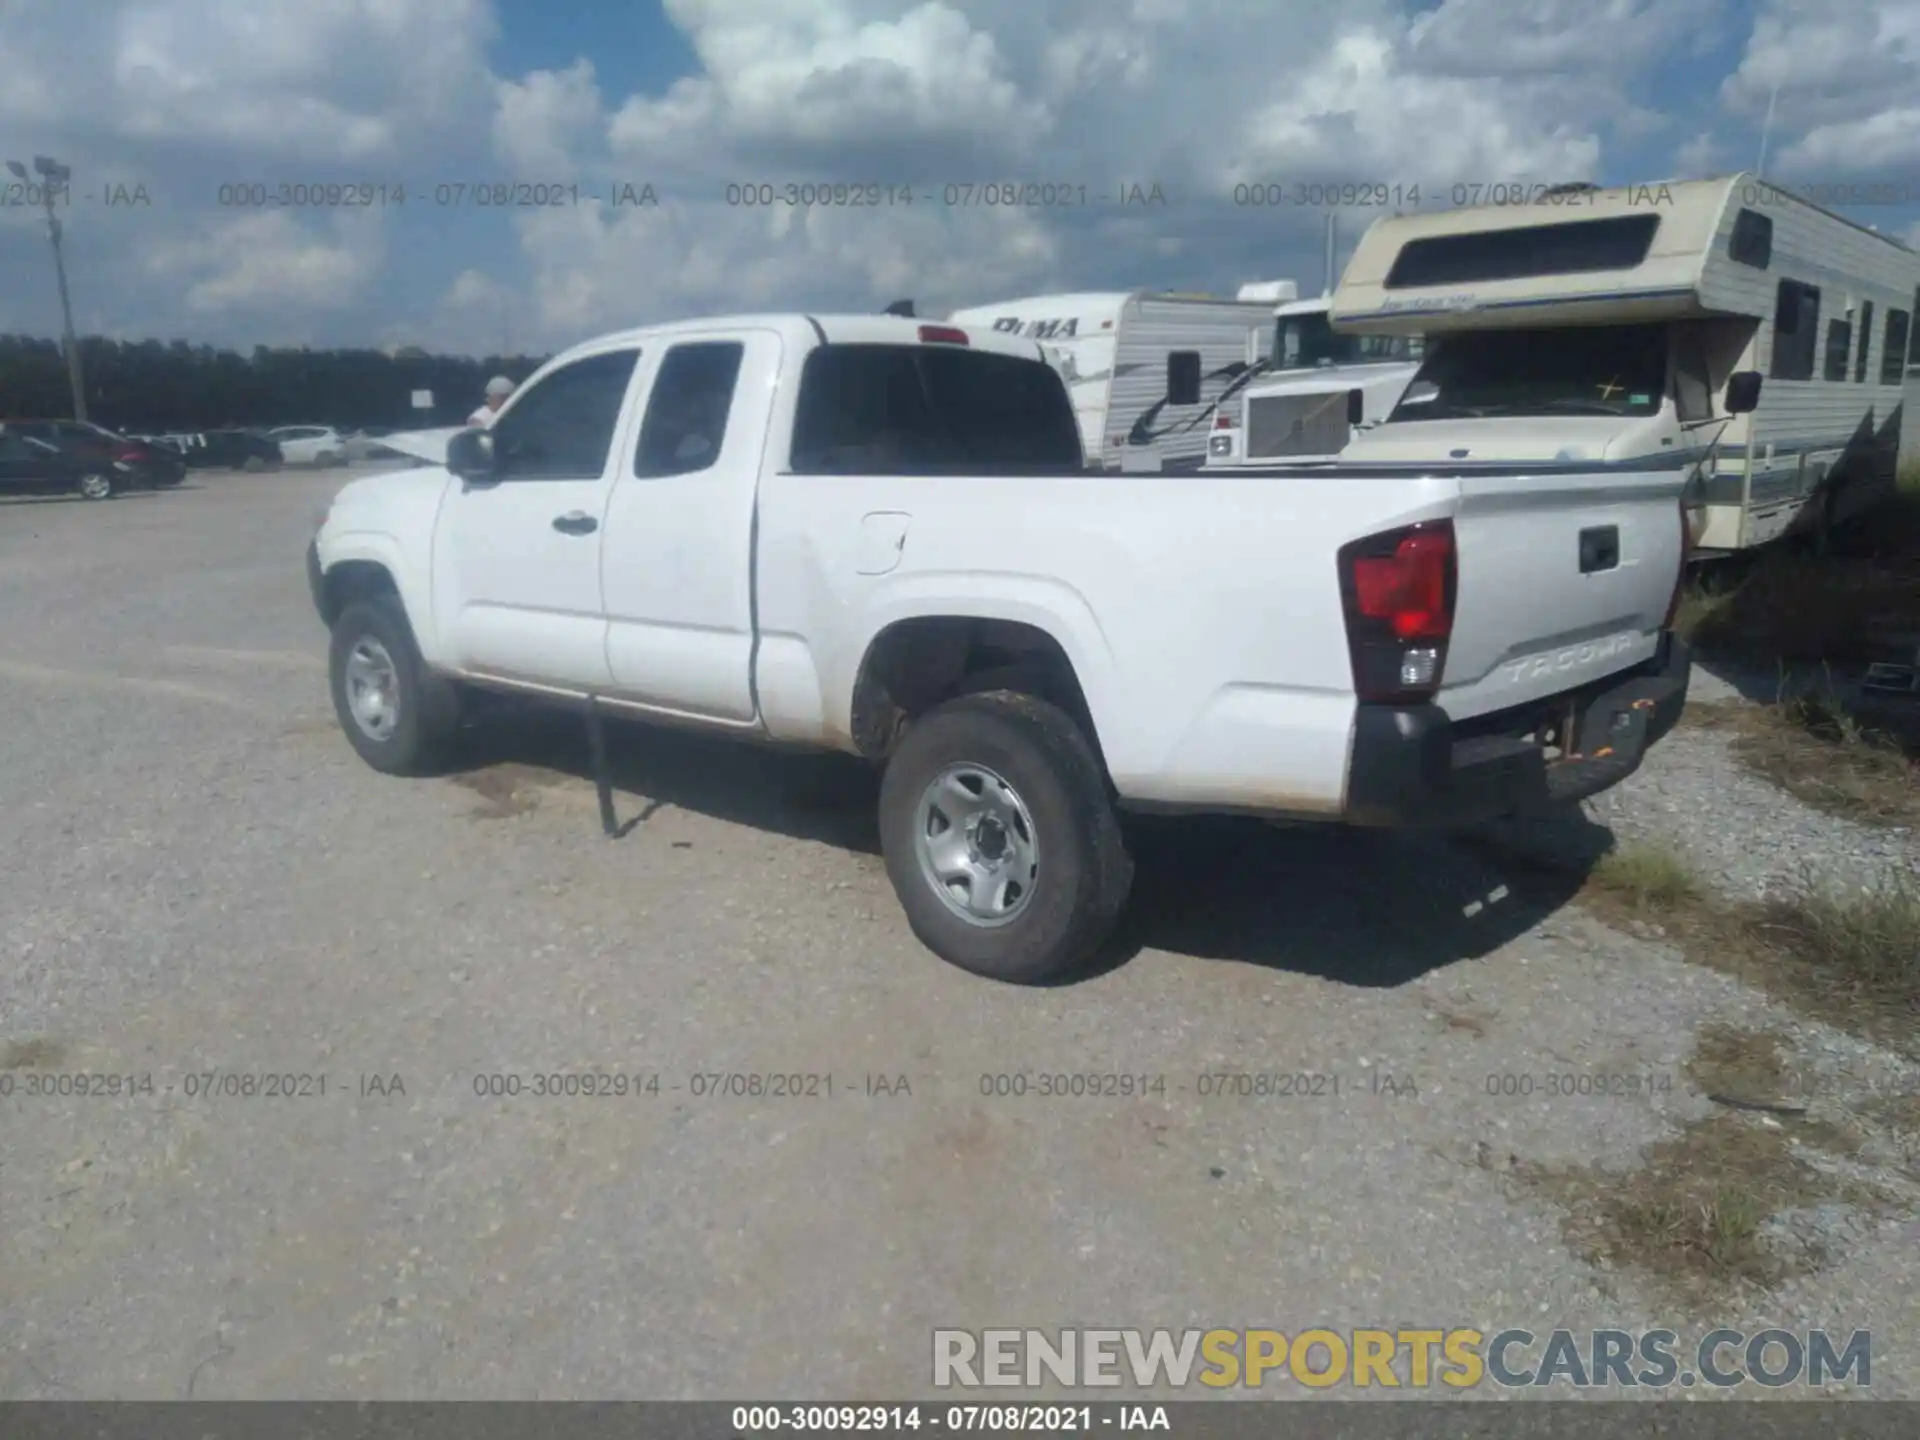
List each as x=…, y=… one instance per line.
x=1317, y=389
x=1724, y=332
x=1121, y=355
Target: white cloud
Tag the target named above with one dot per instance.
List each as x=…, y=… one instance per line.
x=1848, y=78
x=267, y=261
x=343, y=80
x=1360, y=115
x=1553, y=37
x=543, y=122
x=828, y=86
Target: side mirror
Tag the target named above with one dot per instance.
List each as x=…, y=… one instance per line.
x=1183, y=377
x=1356, y=406
x=1743, y=391
x=470, y=456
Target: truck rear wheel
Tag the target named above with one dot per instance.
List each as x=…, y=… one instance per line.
x=396, y=713
x=1001, y=839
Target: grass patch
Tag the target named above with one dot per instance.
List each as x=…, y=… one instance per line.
x=38, y=1053
x=1700, y=1217
x=1695, y=1218
x=1849, y=958
x=1785, y=605
x=1852, y=958
x=1642, y=882
x=1819, y=751
x=1747, y=1064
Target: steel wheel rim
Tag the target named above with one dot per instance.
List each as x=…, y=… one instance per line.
x=95, y=487
x=373, y=688
x=976, y=845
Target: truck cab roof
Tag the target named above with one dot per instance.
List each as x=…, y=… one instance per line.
x=804, y=330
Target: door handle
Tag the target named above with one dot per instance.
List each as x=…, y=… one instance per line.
x=1599, y=549
x=575, y=522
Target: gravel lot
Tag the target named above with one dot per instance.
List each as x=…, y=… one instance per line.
x=200, y=876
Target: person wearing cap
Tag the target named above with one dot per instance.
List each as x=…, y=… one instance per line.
x=498, y=389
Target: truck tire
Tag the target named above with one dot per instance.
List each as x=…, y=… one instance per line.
x=1036, y=874
x=396, y=713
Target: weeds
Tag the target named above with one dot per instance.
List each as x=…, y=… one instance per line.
x=1647, y=879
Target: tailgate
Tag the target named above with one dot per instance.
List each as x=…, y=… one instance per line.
x=1564, y=579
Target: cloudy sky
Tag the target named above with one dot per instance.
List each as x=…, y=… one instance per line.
x=174, y=114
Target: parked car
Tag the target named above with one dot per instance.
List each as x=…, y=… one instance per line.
x=33, y=467
x=142, y=464
x=309, y=444
x=870, y=535
x=229, y=449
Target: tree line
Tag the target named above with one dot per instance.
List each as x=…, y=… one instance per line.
x=156, y=387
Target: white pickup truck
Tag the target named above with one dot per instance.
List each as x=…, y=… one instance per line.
x=876, y=535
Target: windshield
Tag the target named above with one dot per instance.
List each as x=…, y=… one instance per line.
x=101, y=431
x=1309, y=342
x=1592, y=370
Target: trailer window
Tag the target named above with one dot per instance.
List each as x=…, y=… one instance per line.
x=1893, y=358
x=1575, y=247
x=1752, y=240
x=1866, y=342
x=1796, y=325
x=1839, y=347
x=931, y=409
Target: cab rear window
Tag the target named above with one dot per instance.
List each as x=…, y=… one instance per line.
x=930, y=409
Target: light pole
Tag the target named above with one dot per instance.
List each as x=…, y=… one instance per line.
x=54, y=177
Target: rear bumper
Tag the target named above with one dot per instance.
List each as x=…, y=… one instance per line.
x=1414, y=767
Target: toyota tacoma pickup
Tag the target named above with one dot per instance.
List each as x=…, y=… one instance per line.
x=876, y=535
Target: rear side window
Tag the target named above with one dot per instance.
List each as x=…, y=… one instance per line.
x=1752, y=240
x=930, y=409
x=1866, y=342
x=562, y=427
x=1894, y=357
x=687, y=413
x=1796, y=325
x=1575, y=247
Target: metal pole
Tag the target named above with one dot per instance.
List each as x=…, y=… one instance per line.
x=66, y=312
x=1333, y=230
x=1766, y=134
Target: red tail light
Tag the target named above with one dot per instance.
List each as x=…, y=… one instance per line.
x=1680, y=580
x=1223, y=421
x=1399, y=590
x=942, y=335
x=131, y=457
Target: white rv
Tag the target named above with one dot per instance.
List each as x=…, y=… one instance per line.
x=1302, y=409
x=1123, y=355
x=1603, y=330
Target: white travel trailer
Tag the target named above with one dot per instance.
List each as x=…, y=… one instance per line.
x=1304, y=408
x=1747, y=342
x=1128, y=357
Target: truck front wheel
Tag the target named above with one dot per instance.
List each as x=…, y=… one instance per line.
x=396, y=713
x=1001, y=839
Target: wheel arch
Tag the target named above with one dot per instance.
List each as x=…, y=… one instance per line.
x=916, y=662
